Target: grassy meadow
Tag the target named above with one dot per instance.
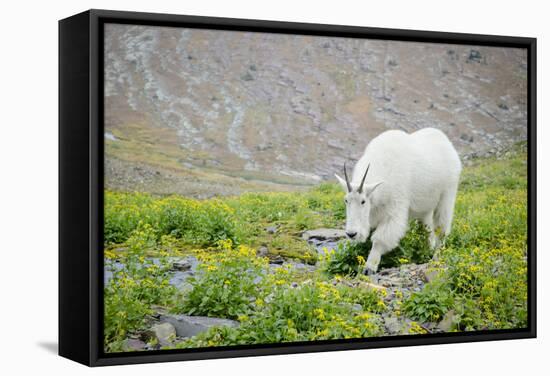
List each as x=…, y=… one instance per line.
x=480, y=274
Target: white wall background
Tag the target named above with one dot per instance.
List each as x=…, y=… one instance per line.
x=28, y=176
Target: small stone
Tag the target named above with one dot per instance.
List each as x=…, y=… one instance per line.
x=371, y=285
x=465, y=137
x=165, y=333
x=392, y=324
x=181, y=265
x=189, y=326
x=446, y=323
x=294, y=285
x=357, y=307
x=133, y=344
x=262, y=251
x=324, y=234
x=271, y=229
x=278, y=260
x=247, y=77
x=475, y=55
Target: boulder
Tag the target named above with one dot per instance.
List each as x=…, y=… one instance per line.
x=189, y=326
x=324, y=234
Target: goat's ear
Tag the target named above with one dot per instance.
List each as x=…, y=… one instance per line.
x=369, y=188
x=342, y=183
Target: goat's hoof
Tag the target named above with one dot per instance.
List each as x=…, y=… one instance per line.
x=369, y=272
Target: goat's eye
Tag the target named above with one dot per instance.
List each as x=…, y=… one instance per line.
x=363, y=202
x=346, y=201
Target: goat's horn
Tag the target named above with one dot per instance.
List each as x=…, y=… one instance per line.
x=363, y=181
x=346, y=176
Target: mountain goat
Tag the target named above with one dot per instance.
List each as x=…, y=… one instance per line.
x=401, y=176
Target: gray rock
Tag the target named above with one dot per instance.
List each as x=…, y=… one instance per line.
x=262, y=251
x=164, y=333
x=324, y=234
x=430, y=326
x=189, y=326
x=278, y=260
x=271, y=229
x=466, y=138
x=181, y=265
x=247, y=77
x=475, y=55
x=392, y=324
x=446, y=323
x=133, y=344
x=357, y=307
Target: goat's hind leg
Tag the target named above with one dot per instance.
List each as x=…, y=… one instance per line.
x=443, y=216
x=428, y=221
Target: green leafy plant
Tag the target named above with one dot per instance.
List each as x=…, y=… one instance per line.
x=311, y=311
x=135, y=285
x=430, y=304
x=349, y=258
x=227, y=282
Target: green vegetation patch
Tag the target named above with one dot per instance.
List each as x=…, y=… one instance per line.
x=350, y=258
x=481, y=271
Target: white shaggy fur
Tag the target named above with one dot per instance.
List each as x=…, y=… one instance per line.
x=410, y=176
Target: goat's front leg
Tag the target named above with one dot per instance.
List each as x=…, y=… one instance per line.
x=385, y=238
x=375, y=254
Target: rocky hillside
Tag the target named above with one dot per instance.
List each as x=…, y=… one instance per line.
x=198, y=112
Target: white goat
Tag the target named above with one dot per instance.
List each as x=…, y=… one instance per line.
x=409, y=176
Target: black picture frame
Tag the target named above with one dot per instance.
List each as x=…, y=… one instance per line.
x=81, y=185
